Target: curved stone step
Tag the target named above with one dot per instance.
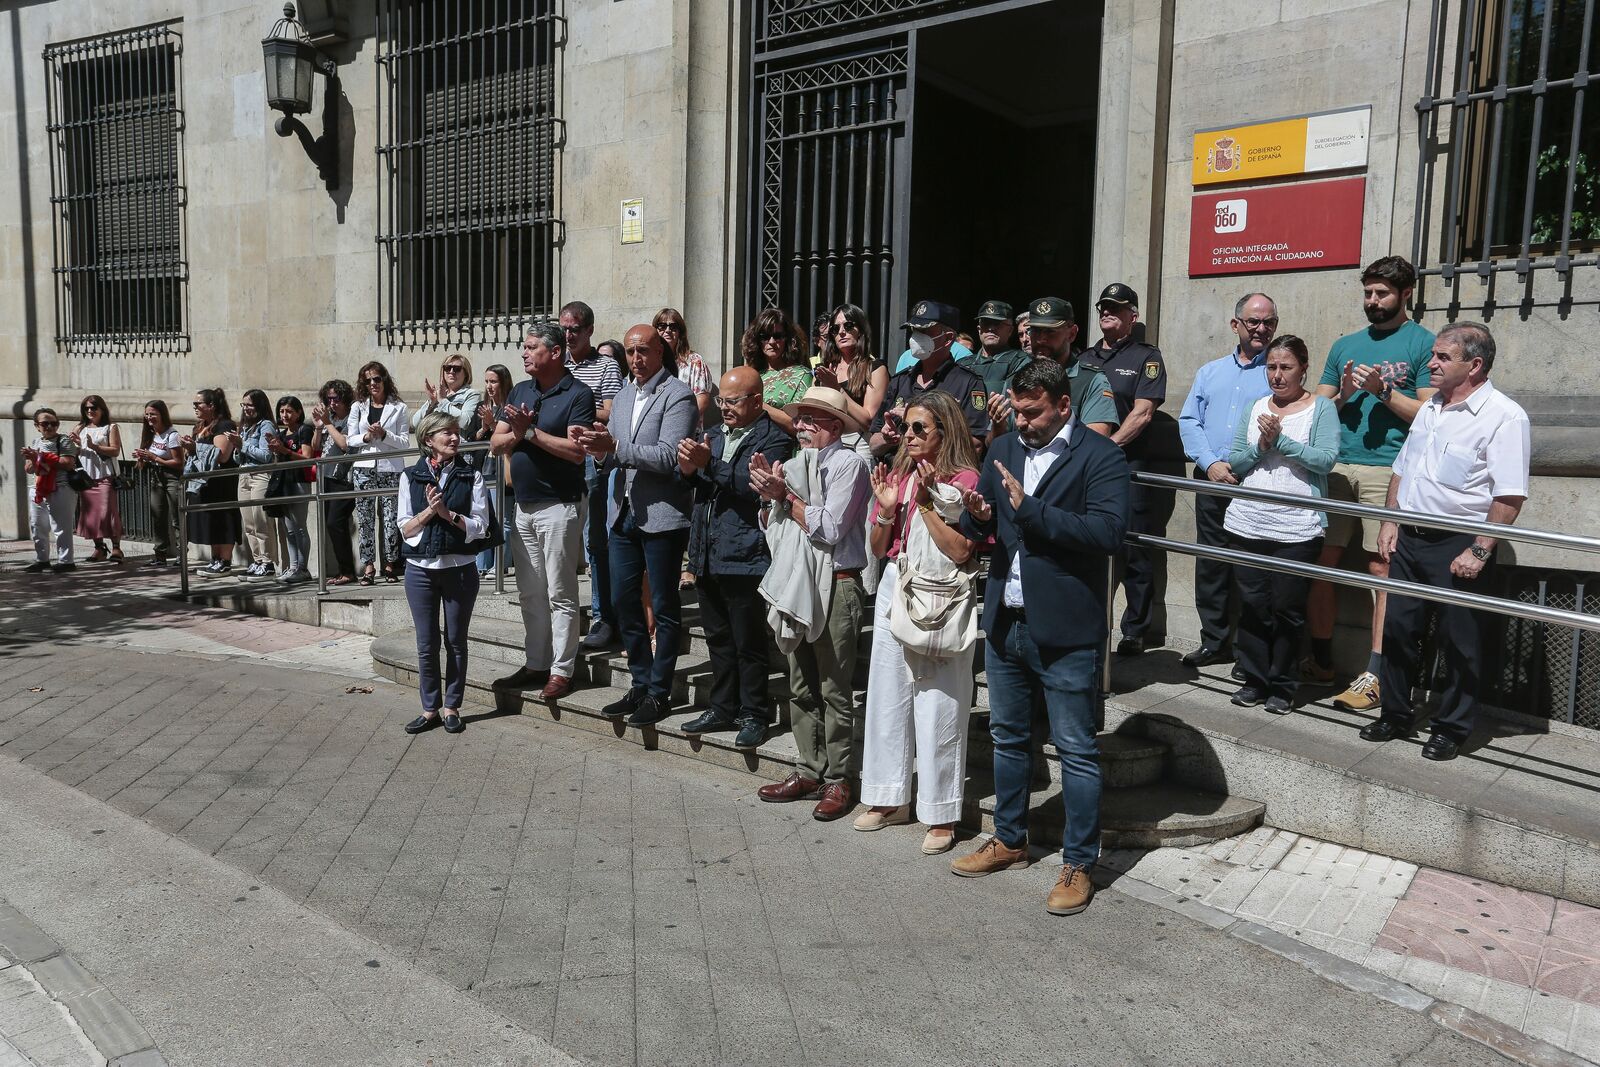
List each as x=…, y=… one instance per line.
x=1161, y=815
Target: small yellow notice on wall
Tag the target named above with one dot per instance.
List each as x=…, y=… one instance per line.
x=633, y=221
x=1304, y=144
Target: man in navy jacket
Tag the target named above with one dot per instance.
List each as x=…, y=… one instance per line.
x=734, y=557
x=1055, y=496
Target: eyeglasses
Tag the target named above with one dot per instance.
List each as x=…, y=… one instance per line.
x=448, y=368
x=201, y=404
x=1256, y=324
x=811, y=419
x=48, y=425
x=373, y=381
x=663, y=327
x=841, y=327
x=921, y=429
x=331, y=398
x=731, y=401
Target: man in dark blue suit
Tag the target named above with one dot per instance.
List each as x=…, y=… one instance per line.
x=733, y=557
x=1055, y=495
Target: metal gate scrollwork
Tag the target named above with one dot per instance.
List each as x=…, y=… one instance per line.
x=829, y=143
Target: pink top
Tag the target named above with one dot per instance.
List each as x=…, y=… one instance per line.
x=962, y=479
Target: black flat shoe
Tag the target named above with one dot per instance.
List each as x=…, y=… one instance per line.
x=453, y=724
x=708, y=722
x=618, y=708
x=1383, y=730
x=1207, y=656
x=1247, y=697
x=649, y=711
x=523, y=678
x=421, y=723
x=1130, y=646
x=1440, y=748
x=752, y=732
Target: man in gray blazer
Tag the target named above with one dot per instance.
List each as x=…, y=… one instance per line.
x=647, y=517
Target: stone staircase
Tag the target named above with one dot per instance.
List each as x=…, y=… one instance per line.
x=1140, y=809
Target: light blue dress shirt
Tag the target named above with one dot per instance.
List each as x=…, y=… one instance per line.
x=1223, y=391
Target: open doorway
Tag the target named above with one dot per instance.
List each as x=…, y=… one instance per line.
x=1002, y=175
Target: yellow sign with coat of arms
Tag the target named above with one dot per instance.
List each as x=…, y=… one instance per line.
x=1304, y=144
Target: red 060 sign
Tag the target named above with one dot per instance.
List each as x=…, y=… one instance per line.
x=1277, y=228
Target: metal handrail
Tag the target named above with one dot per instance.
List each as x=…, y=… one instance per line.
x=318, y=496
x=1499, y=531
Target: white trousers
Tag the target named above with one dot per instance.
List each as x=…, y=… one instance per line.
x=546, y=546
x=53, y=520
x=916, y=720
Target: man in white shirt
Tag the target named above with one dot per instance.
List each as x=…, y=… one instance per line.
x=1465, y=458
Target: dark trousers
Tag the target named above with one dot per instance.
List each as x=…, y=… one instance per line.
x=1272, y=614
x=1144, y=572
x=336, y=516
x=600, y=606
x=1424, y=557
x=1214, y=582
x=634, y=554
x=1018, y=673
x=456, y=590
x=735, y=618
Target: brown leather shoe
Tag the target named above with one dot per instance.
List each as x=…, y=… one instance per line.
x=556, y=687
x=1072, y=892
x=993, y=855
x=836, y=800
x=795, y=787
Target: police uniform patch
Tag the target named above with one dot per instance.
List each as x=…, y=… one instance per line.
x=1152, y=370
x=1042, y=307
x=1109, y=393
x=980, y=400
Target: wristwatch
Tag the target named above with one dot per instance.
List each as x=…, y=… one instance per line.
x=1386, y=392
x=1481, y=553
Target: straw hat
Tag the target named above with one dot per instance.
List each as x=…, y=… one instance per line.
x=830, y=402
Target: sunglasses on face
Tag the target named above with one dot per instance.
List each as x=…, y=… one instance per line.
x=48, y=425
x=921, y=429
x=91, y=407
x=373, y=381
x=771, y=337
x=449, y=368
x=572, y=329
x=841, y=327
x=663, y=327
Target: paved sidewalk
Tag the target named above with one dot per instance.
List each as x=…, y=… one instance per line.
x=1524, y=959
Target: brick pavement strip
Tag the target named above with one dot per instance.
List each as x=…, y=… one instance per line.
x=624, y=905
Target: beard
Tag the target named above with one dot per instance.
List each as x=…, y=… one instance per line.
x=1379, y=315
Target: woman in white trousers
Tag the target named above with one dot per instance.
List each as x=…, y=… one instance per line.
x=917, y=708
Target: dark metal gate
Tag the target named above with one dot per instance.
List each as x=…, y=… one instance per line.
x=828, y=181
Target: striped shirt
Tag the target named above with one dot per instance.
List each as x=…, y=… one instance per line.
x=599, y=373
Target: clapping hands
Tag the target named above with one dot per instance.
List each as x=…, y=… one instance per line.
x=767, y=479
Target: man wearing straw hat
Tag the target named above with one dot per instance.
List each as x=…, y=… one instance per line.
x=821, y=673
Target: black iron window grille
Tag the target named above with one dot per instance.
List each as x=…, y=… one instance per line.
x=115, y=121
x=466, y=177
x=785, y=21
x=1506, y=147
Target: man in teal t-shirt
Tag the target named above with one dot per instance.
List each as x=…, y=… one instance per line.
x=1378, y=377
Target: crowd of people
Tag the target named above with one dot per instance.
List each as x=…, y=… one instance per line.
x=962, y=480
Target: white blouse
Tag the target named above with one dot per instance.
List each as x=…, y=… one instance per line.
x=93, y=463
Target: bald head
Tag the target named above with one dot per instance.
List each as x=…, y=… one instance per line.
x=642, y=345
x=742, y=386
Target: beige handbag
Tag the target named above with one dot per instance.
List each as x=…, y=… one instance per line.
x=935, y=609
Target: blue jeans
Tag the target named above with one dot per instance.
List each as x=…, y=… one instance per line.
x=594, y=547
x=1017, y=671
x=457, y=589
x=633, y=553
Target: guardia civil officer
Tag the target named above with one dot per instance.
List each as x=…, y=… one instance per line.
x=1138, y=377
x=932, y=331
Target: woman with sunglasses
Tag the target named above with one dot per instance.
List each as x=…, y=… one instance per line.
x=692, y=368
x=776, y=348
x=294, y=440
x=99, y=446
x=328, y=421
x=454, y=396
x=252, y=443
x=378, y=424
x=497, y=385
x=48, y=459
x=916, y=712
x=848, y=365
x=211, y=447
x=160, y=452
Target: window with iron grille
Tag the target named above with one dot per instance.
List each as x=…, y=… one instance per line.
x=115, y=120
x=1506, y=149
x=466, y=169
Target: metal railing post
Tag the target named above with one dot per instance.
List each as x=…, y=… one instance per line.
x=322, y=536
x=1111, y=603
x=183, y=534
x=500, y=517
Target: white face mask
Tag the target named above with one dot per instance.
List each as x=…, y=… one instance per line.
x=921, y=345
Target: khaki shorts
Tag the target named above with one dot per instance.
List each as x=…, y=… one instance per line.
x=1360, y=484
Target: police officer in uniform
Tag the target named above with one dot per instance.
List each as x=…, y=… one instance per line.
x=933, y=329
x=1000, y=357
x=1138, y=377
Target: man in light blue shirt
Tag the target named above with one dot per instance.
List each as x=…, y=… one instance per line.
x=1224, y=391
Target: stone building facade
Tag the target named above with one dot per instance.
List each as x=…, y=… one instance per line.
x=799, y=152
